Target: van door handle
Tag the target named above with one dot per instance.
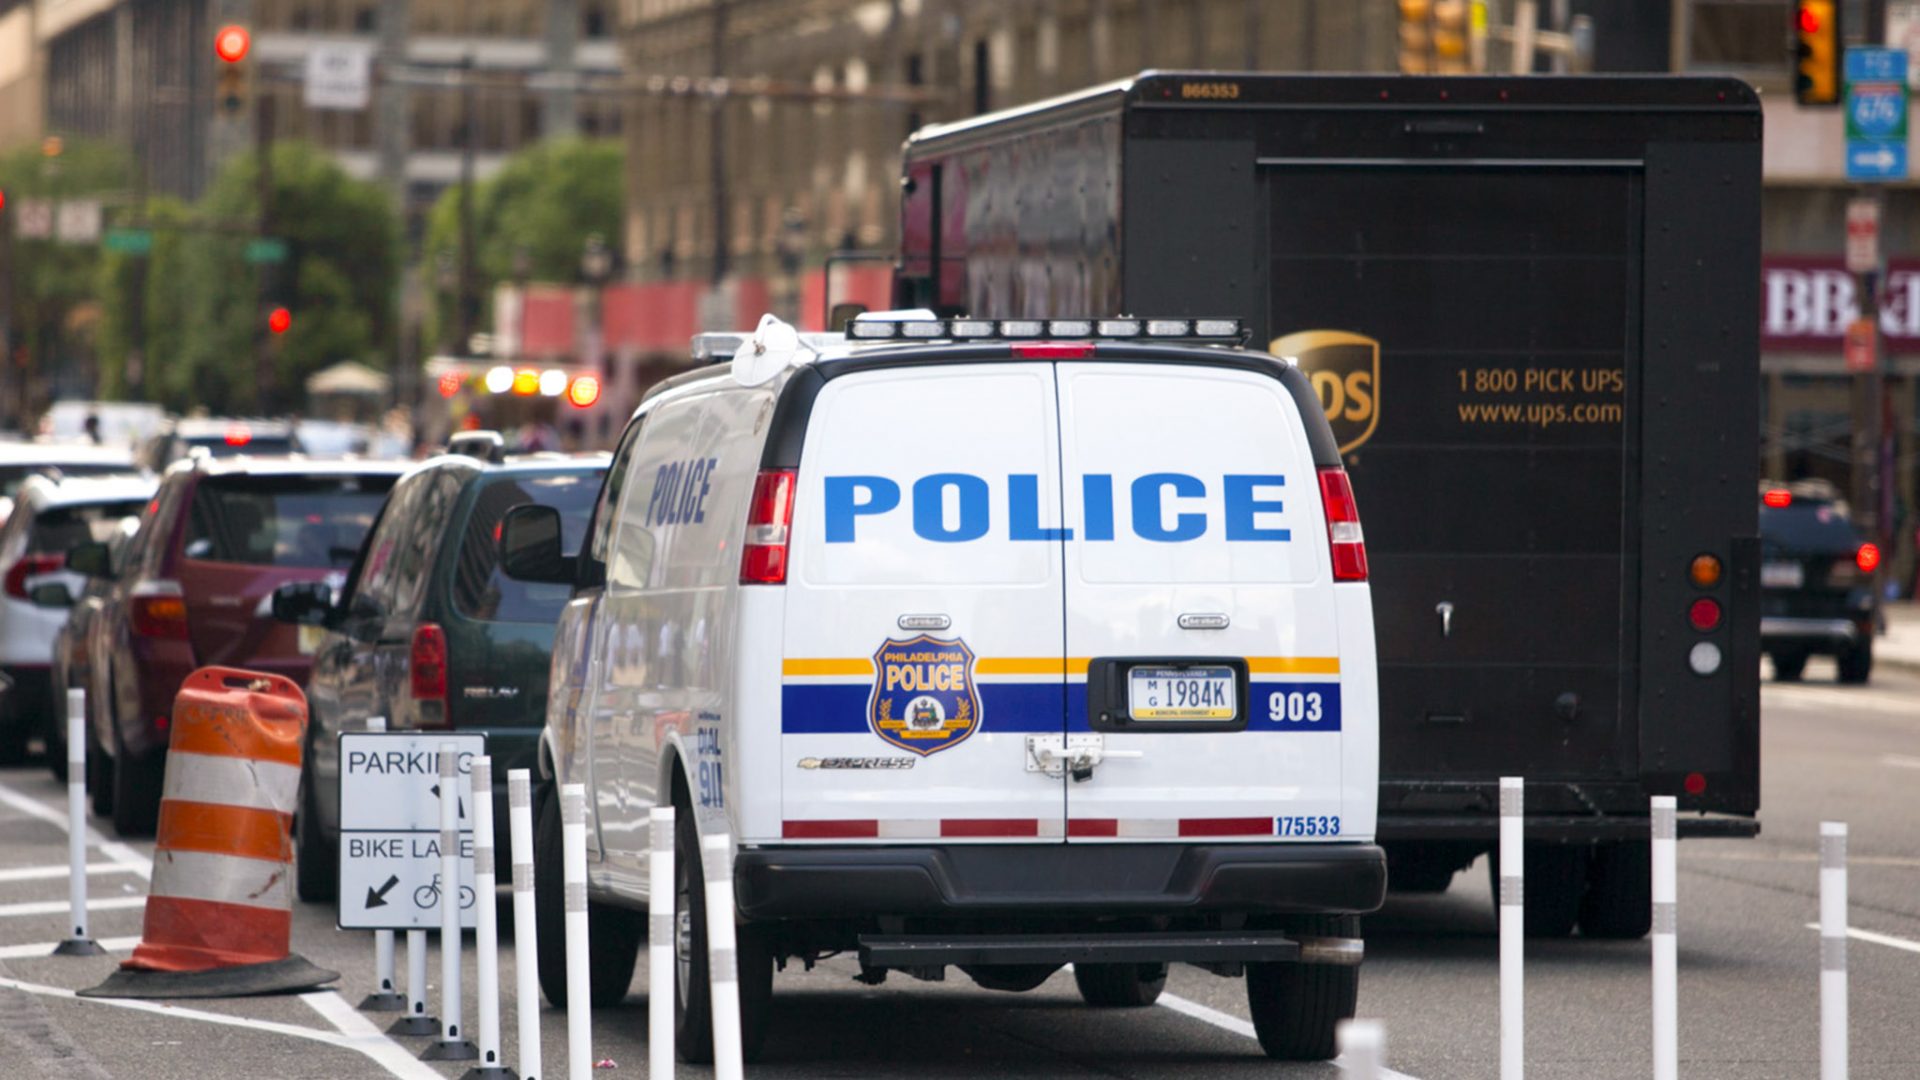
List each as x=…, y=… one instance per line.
x=1444, y=609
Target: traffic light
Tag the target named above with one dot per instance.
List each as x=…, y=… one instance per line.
x=1416, y=37
x=1816, y=52
x=231, y=45
x=279, y=319
x=1450, y=37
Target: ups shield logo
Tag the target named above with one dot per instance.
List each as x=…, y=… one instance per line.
x=1345, y=370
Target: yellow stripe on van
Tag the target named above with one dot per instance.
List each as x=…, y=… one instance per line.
x=859, y=665
x=1293, y=665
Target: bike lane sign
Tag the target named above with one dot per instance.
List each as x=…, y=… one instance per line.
x=390, y=828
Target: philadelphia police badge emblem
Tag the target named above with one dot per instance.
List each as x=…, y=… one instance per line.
x=924, y=699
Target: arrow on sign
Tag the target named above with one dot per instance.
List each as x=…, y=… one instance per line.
x=379, y=899
x=459, y=804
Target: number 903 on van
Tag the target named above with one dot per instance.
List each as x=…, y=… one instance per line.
x=989, y=647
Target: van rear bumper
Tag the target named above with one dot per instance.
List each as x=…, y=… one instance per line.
x=1059, y=879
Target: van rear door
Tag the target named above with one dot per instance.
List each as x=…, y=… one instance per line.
x=1203, y=631
x=923, y=637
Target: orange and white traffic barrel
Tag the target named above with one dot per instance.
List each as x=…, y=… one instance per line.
x=219, y=913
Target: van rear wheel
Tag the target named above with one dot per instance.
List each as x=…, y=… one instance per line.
x=1619, y=901
x=1856, y=662
x=1788, y=664
x=692, y=989
x=1296, y=1007
x=1120, y=986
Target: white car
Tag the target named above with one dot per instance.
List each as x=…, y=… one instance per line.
x=19, y=460
x=988, y=649
x=37, y=590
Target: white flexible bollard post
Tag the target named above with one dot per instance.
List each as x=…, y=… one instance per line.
x=80, y=942
x=1833, y=950
x=573, y=879
x=486, y=940
x=385, y=997
x=662, y=963
x=1666, y=975
x=453, y=1045
x=723, y=966
x=416, y=1021
x=526, y=942
x=1362, y=1045
x=1513, y=927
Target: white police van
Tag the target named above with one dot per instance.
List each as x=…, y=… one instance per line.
x=999, y=645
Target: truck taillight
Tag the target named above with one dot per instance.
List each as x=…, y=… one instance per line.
x=763, y=560
x=427, y=663
x=30, y=566
x=1867, y=558
x=1343, y=525
x=157, y=610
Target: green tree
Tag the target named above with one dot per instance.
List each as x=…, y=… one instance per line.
x=53, y=282
x=544, y=202
x=204, y=311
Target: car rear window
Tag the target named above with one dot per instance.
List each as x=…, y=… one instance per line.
x=294, y=521
x=480, y=590
x=1808, y=526
x=59, y=528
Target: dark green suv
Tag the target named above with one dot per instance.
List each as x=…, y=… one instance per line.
x=430, y=633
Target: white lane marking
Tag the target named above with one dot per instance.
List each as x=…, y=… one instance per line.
x=37, y=949
x=367, y=1038
x=1900, y=761
x=1888, y=940
x=50, y=873
x=61, y=907
x=112, y=849
x=1228, y=1022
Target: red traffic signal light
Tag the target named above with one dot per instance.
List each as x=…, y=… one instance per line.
x=1817, y=52
x=279, y=319
x=231, y=43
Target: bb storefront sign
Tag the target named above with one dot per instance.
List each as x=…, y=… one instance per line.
x=1807, y=303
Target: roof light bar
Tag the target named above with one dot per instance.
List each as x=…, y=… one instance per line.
x=969, y=329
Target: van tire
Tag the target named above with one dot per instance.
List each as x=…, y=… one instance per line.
x=1856, y=663
x=316, y=864
x=137, y=783
x=1556, y=883
x=1295, y=1007
x=614, y=934
x=1788, y=664
x=1619, y=901
x=692, y=998
x=1120, y=986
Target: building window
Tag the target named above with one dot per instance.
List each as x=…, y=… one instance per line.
x=365, y=19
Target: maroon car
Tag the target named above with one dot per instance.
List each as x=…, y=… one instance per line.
x=195, y=587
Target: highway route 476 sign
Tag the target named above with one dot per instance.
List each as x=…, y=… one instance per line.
x=390, y=829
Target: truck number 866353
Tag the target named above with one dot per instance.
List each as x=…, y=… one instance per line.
x=1294, y=707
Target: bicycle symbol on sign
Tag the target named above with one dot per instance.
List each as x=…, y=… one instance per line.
x=427, y=896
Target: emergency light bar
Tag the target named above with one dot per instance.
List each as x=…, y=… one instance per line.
x=1208, y=330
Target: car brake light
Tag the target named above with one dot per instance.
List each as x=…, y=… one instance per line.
x=239, y=435
x=1778, y=498
x=30, y=566
x=1704, y=614
x=427, y=663
x=1343, y=525
x=161, y=616
x=1867, y=559
x=763, y=560
x=1053, y=350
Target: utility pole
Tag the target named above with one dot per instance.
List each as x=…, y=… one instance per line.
x=717, y=135
x=1869, y=398
x=560, y=113
x=265, y=387
x=391, y=118
x=468, y=277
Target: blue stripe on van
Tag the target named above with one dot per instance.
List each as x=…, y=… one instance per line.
x=1037, y=708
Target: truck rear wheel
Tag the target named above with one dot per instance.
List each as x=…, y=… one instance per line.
x=613, y=934
x=692, y=989
x=1856, y=662
x=1120, y=986
x=1295, y=1007
x=1619, y=901
x=1788, y=664
x=1556, y=882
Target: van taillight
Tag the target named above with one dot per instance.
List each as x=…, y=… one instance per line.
x=30, y=566
x=161, y=615
x=1343, y=525
x=427, y=663
x=763, y=560
x=1867, y=558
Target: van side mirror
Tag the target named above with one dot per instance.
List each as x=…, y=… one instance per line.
x=91, y=558
x=304, y=603
x=530, y=546
x=51, y=594
x=842, y=314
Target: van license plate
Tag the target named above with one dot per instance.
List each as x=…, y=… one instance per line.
x=1782, y=575
x=1187, y=693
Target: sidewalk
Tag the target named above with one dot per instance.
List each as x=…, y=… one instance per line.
x=1900, y=647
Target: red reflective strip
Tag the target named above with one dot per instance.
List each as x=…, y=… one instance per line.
x=1226, y=826
x=829, y=830
x=990, y=827
x=1093, y=826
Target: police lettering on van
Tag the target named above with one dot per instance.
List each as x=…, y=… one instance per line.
x=1022, y=664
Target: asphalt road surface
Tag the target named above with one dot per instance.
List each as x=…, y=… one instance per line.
x=1748, y=964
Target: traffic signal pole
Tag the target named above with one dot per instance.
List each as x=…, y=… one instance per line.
x=264, y=386
x=1870, y=484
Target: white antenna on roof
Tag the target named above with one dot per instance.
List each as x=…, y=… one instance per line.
x=773, y=348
